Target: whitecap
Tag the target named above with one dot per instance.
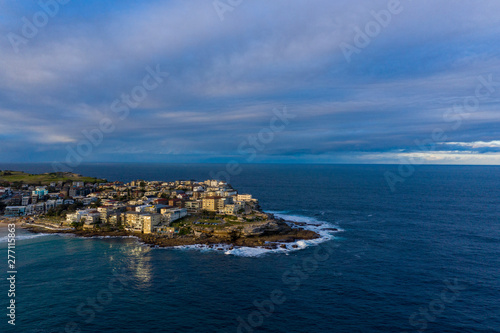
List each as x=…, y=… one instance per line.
x=5, y=239
x=323, y=228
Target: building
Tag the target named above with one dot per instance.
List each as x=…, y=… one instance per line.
x=142, y=208
x=30, y=209
x=115, y=219
x=50, y=204
x=34, y=199
x=40, y=208
x=150, y=222
x=193, y=206
x=15, y=200
x=234, y=209
x=132, y=221
x=26, y=200
x=15, y=210
x=88, y=200
x=75, y=217
x=93, y=217
x=40, y=192
x=5, y=192
x=211, y=203
x=173, y=214
x=230, y=193
x=86, y=216
x=155, y=209
x=244, y=197
x=176, y=202
x=214, y=203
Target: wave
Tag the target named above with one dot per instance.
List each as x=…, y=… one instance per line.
x=326, y=231
x=109, y=237
x=5, y=239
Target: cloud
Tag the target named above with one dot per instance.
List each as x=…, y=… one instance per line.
x=477, y=144
x=225, y=78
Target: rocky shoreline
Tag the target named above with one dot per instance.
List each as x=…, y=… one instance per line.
x=270, y=235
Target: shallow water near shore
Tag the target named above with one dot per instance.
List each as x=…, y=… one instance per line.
x=396, y=253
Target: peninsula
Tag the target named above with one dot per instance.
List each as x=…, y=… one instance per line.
x=164, y=214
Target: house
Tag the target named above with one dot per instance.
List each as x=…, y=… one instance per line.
x=88, y=200
x=82, y=216
x=30, y=209
x=74, y=217
x=142, y=208
x=230, y=193
x=244, y=197
x=40, y=208
x=161, y=201
x=5, y=192
x=233, y=209
x=155, y=209
x=50, y=204
x=176, y=202
x=15, y=200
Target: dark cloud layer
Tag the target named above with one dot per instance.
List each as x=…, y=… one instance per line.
x=430, y=67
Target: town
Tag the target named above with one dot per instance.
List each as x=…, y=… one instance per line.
x=138, y=206
x=160, y=213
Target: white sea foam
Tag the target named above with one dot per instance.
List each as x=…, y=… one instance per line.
x=108, y=237
x=310, y=223
x=5, y=239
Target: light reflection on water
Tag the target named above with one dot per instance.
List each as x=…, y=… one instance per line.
x=138, y=263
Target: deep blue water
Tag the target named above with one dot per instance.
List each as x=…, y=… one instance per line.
x=425, y=257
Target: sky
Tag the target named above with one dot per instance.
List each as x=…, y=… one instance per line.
x=283, y=81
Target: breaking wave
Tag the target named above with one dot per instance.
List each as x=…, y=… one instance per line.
x=5, y=239
x=325, y=229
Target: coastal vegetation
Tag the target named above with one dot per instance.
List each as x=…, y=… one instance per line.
x=20, y=177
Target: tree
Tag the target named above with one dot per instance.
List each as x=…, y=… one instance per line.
x=17, y=184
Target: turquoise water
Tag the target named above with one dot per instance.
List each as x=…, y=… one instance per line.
x=423, y=258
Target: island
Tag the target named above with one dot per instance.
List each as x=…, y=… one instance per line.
x=159, y=213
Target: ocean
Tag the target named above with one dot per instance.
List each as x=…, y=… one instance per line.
x=422, y=258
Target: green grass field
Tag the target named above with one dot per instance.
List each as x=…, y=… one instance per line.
x=45, y=178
